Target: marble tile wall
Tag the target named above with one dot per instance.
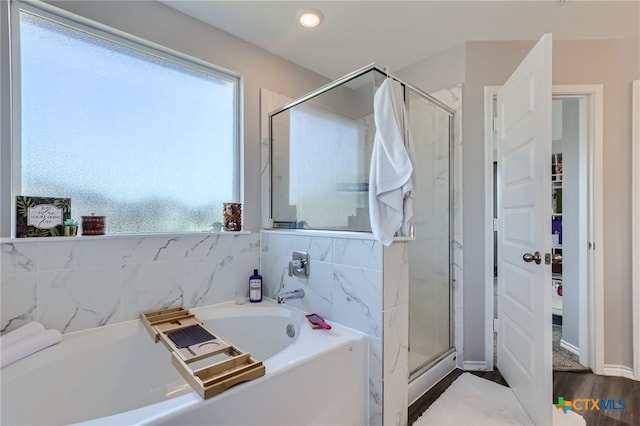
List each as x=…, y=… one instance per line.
x=77, y=283
x=396, y=334
x=345, y=285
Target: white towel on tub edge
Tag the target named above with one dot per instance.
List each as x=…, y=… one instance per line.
x=25, y=347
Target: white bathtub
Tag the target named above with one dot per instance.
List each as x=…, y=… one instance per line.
x=116, y=375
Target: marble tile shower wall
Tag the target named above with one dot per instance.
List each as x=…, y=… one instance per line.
x=79, y=283
x=345, y=285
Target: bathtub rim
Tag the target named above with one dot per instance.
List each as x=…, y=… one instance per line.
x=289, y=357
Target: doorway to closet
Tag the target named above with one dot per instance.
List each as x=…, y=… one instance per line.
x=576, y=282
x=568, y=181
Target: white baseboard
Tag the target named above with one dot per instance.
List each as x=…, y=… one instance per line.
x=474, y=366
x=571, y=348
x=619, y=371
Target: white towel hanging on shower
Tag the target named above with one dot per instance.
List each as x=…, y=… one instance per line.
x=391, y=173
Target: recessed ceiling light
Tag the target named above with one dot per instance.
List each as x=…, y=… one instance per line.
x=310, y=18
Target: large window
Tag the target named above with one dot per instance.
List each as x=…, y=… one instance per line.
x=148, y=138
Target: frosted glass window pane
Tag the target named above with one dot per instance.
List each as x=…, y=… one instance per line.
x=147, y=141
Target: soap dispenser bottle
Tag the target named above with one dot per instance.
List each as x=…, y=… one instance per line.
x=255, y=287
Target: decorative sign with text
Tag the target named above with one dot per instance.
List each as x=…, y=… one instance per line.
x=41, y=216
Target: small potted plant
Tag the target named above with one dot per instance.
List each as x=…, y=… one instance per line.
x=70, y=227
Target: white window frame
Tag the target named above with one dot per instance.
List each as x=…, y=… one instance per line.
x=13, y=162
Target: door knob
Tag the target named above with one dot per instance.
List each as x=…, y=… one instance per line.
x=536, y=257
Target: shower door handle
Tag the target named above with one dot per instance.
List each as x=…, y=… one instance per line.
x=536, y=257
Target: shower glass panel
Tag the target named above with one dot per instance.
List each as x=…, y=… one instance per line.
x=320, y=155
x=430, y=318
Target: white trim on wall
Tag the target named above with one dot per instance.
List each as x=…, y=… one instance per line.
x=618, y=371
x=568, y=346
x=594, y=314
x=476, y=365
x=489, y=93
x=635, y=225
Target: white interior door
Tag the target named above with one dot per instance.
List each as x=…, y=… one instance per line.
x=524, y=218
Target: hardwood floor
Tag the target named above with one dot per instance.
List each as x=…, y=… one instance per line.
x=571, y=386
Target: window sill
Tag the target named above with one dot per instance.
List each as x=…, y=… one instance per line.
x=352, y=235
x=120, y=236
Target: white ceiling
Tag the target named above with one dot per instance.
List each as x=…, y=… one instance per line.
x=400, y=33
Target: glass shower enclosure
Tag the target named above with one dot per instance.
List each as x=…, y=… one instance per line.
x=320, y=153
x=430, y=254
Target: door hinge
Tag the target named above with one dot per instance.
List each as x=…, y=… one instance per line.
x=494, y=123
x=495, y=324
x=591, y=245
x=495, y=223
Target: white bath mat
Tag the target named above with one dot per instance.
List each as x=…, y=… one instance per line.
x=471, y=400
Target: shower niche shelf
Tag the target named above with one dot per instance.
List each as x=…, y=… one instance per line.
x=209, y=363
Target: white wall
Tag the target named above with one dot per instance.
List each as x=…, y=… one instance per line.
x=437, y=72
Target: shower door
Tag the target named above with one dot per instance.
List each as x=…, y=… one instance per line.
x=430, y=295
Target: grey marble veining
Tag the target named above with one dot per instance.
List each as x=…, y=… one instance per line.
x=357, y=299
x=72, y=253
x=159, y=248
x=345, y=286
x=74, y=284
x=207, y=277
x=17, y=258
x=396, y=398
x=75, y=299
x=396, y=340
x=274, y=273
x=358, y=253
x=319, y=248
x=19, y=301
x=396, y=275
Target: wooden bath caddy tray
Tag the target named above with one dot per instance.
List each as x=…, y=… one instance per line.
x=220, y=364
